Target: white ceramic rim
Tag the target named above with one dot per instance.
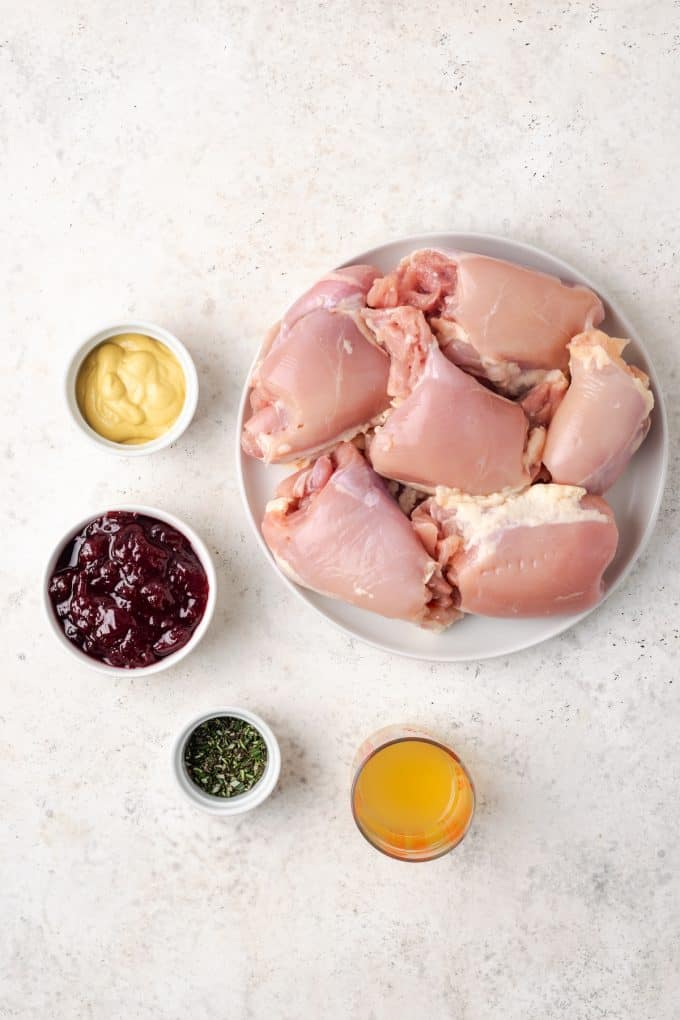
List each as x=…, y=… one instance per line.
x=562, y=623
x=199, y=548
x=243, y=801
x=190, y=380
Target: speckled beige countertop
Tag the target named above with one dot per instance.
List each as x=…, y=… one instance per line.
x=197, y=164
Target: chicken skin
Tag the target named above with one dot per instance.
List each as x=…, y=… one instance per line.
x=603, y=418
x=541, y=552
x=333, y=527
x=319, y=380
x=492, y=318
x=446, y=428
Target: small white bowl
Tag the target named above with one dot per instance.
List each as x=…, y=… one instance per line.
x=242, y=801
x=199, y=548
x=190, y=380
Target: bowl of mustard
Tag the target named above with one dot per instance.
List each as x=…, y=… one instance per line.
x=132, y=388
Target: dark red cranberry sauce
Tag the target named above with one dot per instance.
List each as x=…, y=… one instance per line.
x=128, y=589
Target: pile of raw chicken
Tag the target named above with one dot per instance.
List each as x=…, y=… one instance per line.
x=455, y=424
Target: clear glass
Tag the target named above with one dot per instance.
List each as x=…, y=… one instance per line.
x=377, y=784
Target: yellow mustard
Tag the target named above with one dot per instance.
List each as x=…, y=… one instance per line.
x=130, y=389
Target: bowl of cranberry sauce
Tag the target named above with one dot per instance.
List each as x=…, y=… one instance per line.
x=130, y=590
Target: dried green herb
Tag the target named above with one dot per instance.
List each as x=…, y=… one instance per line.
x=225, y=756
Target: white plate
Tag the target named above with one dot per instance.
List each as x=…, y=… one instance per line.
x=635, y=498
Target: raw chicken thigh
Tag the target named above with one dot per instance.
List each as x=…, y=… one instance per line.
x=540, y=552
x=493, y=318
x=448, y=429
x=319, y=380
x=604, y=417
x=333, y=527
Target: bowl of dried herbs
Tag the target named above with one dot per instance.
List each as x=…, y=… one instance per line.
x=226, y=761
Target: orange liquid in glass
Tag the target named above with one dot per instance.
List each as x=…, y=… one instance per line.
x=413, y=799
